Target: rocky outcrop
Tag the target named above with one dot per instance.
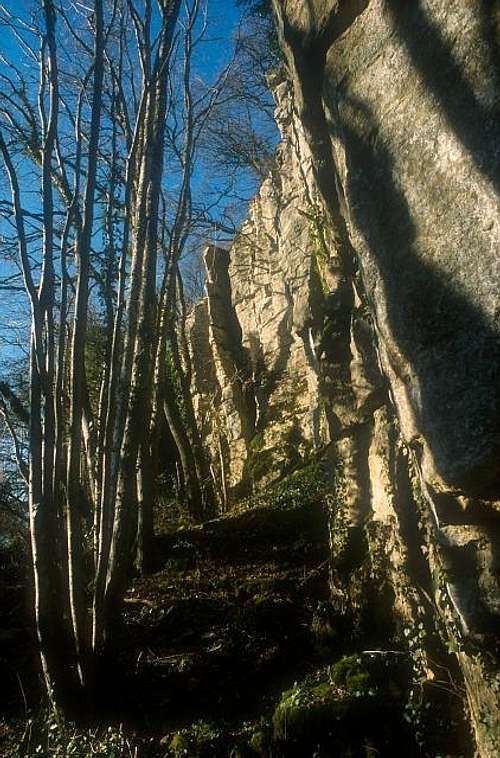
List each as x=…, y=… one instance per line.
x=364, y=286
x=399, y=105
x=261, y=321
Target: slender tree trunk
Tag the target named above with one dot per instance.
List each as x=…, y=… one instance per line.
x=116, y=395
x=142, y=321
x=192, y=476
x=196, y=472
x=78, y=385
x=192, y=489
x=145, y=501
x=71, y=453
x=205, y=485
x=55, y=651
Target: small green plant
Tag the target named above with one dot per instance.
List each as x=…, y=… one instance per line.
x=327, y=702
x=317, y=228
x=350, y=674
x=302, y=707
x=197, y=738
x=302, y=487
x=49, y=735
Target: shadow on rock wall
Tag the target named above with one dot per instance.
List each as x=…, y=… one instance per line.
x=473, y=123
x=446, y=339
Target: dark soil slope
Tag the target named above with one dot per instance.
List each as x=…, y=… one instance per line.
x=226, y=623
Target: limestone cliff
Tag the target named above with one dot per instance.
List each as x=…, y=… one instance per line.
x=255, y=333
x=358, y=310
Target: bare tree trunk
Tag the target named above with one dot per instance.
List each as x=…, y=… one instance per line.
x=119, y=378
x=53, y=641
x=142, y=321
x=196, y=473
x=78, y=385
x=106, y=461
x=145, y=501
x=192, y=489
x=49, y=616
x=166, y=390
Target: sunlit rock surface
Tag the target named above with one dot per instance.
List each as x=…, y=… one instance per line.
x=254, y=334
x=365, y=289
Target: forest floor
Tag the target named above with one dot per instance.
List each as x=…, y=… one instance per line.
x=225, y=652
x=210, y=639
x=225, y=626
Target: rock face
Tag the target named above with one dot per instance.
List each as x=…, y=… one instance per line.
x=363, y=299
x=265, y=305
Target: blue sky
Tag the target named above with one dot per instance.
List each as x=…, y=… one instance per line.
x=224, y=18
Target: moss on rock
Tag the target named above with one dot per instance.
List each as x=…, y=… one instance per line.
x=357, y=701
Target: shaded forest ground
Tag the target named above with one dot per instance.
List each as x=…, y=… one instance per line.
x=228, y=650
